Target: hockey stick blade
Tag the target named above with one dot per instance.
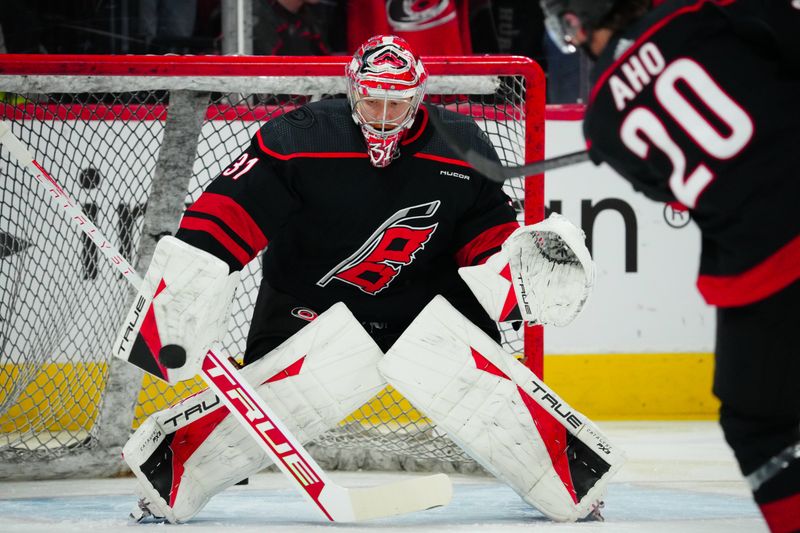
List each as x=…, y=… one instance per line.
x=496, y=171
x=335, y=502
x=395, y=498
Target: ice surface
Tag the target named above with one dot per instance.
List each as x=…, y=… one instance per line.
x=680, y=476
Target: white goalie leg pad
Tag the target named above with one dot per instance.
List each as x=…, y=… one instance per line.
x=500, y=413
x=183, y=304
x=184, y=455
x=543, y=274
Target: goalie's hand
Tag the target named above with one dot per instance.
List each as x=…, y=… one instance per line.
x=551, y=270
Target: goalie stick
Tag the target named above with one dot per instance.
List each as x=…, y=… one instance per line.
x=335, y=502
x=494, y=170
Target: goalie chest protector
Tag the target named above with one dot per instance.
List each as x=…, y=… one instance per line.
x=383, y=240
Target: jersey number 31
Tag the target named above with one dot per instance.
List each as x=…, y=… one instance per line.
x=240, y=167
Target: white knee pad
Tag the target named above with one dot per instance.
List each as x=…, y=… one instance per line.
x=500, y=413
x=184, y=455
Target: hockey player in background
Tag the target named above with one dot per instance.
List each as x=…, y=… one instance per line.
x=697, y=102
x=366, y=216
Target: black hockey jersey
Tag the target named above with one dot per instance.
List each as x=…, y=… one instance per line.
x=699, y=102
x=382, y=240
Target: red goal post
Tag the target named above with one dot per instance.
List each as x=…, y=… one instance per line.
x=135, y=139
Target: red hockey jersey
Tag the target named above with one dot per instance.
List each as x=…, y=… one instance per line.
x=438, y=27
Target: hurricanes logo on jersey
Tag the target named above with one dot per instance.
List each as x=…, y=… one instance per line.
x=417, y=15
x=392, y=246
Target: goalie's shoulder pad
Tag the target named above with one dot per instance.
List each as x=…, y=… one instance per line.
x=465, y=129
x=182, y=306
x=322, y=126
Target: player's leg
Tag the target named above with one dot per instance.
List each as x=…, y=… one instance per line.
x=500, y=413
x=184, y=455
x=757, y=378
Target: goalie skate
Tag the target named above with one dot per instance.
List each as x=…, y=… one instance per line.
x=146, y=512
x=595, y=513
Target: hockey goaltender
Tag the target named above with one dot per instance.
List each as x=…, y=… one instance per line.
x=388, y=260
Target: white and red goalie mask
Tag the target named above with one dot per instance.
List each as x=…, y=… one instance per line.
x=386, y=84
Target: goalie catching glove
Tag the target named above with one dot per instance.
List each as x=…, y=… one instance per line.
x=542, y=275
x=182, y=307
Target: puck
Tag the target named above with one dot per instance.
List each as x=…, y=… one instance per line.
x=172, y=356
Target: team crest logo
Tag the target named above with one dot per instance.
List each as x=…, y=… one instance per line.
x=386, y=58
x=417, y=15
x=392, y=246
x=390, y=59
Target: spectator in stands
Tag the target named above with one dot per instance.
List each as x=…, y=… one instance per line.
x=438, y=27
x=297, y=27
x=463, y=27
x=163, y=24
x=21, y=29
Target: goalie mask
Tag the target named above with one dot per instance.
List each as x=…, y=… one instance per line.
x=386, y=84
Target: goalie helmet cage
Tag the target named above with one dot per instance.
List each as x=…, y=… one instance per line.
x=134, y=140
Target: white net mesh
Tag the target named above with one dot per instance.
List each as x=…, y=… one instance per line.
x=115, y=143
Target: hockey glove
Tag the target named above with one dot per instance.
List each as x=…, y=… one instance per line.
x=543, y=274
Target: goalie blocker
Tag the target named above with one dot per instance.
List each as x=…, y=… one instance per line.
x=501, y=414
x=183, y=305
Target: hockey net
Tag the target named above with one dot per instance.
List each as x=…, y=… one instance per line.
x=135, y=140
